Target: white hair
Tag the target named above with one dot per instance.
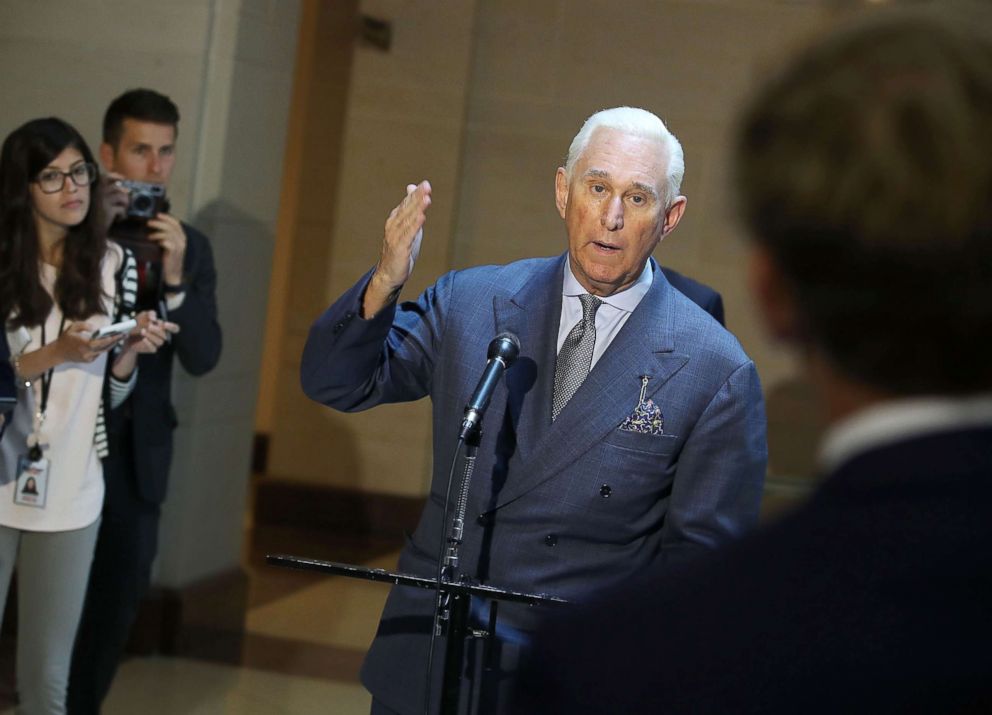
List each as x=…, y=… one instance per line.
x=639, y=122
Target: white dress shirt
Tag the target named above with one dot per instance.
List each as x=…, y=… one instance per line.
x=610, y=317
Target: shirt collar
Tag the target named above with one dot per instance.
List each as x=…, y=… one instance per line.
x=899, y=420
x=625, y=300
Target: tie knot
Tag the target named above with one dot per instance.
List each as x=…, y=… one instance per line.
x=590, y=304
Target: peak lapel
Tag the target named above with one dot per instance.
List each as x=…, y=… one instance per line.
x=532, y=314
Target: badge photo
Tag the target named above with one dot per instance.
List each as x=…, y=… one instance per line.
x=32, y=482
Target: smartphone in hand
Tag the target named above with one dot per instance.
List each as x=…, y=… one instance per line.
x=125, y=326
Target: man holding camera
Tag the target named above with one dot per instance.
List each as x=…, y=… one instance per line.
x=139, y=139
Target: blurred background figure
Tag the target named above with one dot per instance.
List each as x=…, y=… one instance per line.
x=864, y=177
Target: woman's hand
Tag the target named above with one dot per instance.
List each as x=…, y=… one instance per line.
x=73, y=345
x=150, y=333
x=146, y=337
x=76, y=345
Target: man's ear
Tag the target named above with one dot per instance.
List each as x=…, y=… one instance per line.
x=107, y=156
x=561, y=190
x=674, y=215
x=774, y=295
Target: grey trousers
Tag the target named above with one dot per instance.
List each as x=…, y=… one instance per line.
x=52, y=570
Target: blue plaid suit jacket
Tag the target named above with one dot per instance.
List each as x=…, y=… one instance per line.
x=565, y=507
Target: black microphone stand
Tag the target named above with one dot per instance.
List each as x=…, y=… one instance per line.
x=451, y=609
x=453, y=591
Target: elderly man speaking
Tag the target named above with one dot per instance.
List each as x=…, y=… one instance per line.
x=630, y=432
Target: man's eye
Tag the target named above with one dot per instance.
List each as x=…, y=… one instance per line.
x=637, y=199
x=598, y=188
x=166, y=151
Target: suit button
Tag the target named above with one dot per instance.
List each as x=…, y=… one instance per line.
x=483, y=519
x=605, y=491
x=551, y=540
x=338, y=327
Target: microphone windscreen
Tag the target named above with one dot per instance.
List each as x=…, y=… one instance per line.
x=505, y=346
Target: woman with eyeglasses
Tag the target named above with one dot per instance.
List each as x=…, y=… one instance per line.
x=60, y=281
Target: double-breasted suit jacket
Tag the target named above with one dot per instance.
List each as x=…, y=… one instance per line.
x=563, y=507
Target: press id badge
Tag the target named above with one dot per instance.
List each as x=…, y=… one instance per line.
x=32, y=482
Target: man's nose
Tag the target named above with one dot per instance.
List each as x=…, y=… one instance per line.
x=613, y=214
x=155, y=164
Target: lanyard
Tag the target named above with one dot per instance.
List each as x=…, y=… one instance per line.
x=46, y=378
x=46, y=388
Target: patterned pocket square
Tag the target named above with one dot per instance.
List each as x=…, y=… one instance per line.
x=645, y=419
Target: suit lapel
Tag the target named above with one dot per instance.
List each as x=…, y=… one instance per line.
x=644, y=347
x=532, y=314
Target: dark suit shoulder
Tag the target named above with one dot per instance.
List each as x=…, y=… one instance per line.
x=699, y=293
x=697, y=333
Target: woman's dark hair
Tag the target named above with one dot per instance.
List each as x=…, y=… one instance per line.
x=23, y=300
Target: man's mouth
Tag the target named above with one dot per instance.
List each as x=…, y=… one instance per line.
x=605, y=247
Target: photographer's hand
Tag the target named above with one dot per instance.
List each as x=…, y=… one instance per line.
x=168, y=233
x=114, y=198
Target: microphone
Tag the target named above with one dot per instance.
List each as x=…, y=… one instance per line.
x=503, y=350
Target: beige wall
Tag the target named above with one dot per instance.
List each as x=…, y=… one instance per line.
x=483, y=98
x=403, y=121
x=228, y=65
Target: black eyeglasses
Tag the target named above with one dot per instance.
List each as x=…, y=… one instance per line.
x=51, y=181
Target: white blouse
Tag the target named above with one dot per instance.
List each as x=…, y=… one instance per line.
x=75, y=480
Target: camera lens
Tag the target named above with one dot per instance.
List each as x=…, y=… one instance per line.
x=141, y=203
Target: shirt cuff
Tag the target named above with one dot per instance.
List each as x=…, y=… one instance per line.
x=120, y=390
x=174, y=300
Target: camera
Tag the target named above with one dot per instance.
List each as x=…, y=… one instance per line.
x=145, y=200
x=130, y=230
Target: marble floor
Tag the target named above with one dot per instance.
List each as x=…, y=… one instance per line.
x=305, y=638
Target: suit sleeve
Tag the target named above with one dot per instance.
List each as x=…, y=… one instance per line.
x=716, y=494
x=350, y=363
x=198, y=342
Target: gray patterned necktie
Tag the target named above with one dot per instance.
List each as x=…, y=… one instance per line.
x=575, y=356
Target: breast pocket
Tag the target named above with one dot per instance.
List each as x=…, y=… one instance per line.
x=656, y=445
x=617, y=494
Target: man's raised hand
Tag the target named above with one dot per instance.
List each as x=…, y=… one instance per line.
x=400, y=248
